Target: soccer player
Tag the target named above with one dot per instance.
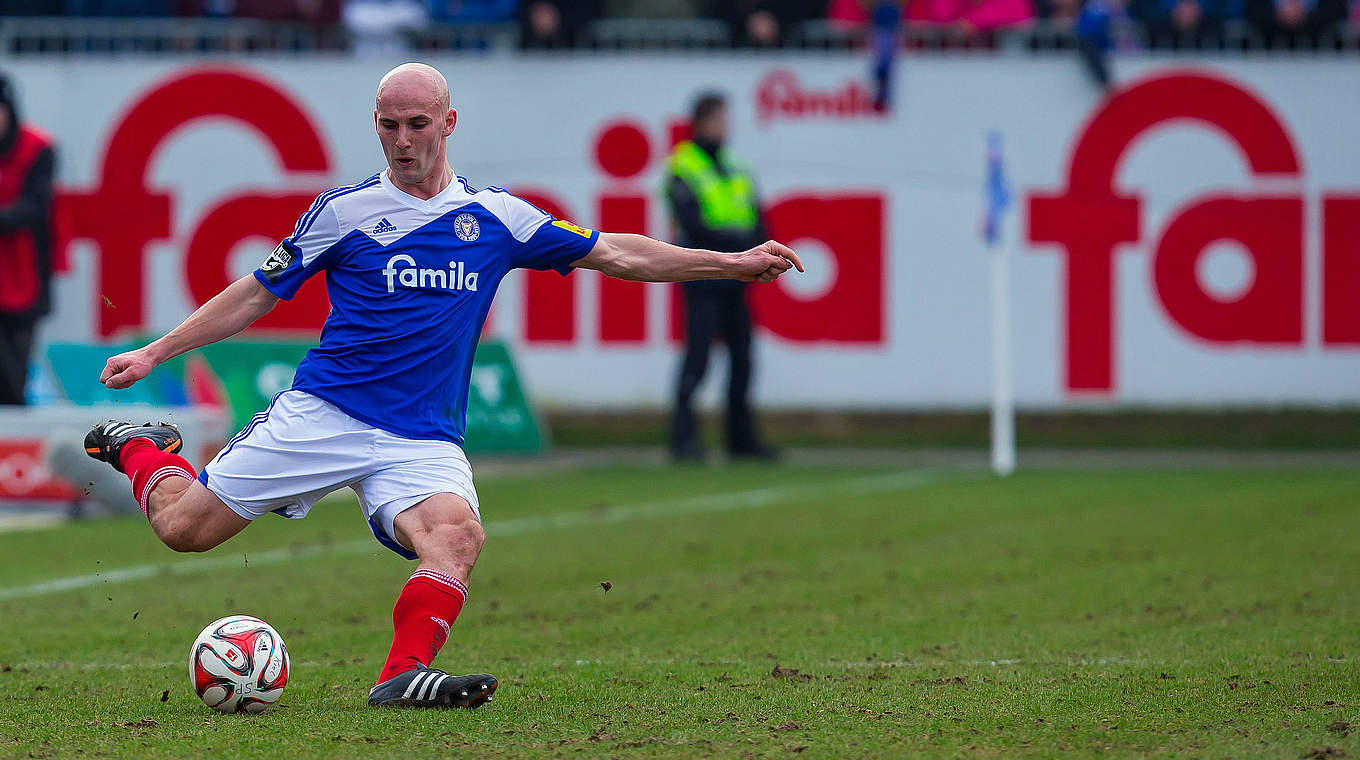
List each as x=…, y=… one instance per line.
x=412, y=257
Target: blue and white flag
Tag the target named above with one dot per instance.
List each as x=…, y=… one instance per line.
x=997, y=192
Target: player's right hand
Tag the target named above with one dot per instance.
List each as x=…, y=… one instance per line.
x=766, y=262
x=123, y=370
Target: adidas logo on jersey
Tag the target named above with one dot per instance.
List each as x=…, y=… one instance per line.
x=384, y=226
x=410, y=276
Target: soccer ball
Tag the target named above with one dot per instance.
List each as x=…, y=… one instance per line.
x=238, y=664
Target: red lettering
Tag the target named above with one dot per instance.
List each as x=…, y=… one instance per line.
x=623, y=304
x=622, y=149
x=1341, y=270
x=1089, y=218
x=779, y=93
x=851, y=311
x=1271, y=309
x=242, y=218
x=549, y=298
x=121, y=215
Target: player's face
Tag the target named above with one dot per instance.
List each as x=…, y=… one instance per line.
x=412, y=134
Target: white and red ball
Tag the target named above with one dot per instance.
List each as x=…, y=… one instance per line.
x=238, y=664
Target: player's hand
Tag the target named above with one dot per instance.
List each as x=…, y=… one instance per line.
x=766, y=262
x=123, y=370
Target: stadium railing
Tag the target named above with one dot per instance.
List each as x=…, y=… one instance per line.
x=632, y=34
x=20, y=35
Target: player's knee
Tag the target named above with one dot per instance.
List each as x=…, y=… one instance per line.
x=460, y=535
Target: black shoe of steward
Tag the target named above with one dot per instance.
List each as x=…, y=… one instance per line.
x=106, y=440
x=427, y=687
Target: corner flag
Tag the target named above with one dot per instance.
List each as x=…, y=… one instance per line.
x=998, y=194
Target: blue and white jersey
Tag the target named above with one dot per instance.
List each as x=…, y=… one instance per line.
x=410, y=284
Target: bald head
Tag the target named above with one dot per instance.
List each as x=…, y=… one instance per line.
x=414, y=84
x=413, y=119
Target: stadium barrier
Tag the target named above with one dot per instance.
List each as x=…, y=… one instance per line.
x=1190, y=239
x=38, y=35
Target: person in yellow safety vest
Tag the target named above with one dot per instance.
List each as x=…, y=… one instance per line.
x=713, y=203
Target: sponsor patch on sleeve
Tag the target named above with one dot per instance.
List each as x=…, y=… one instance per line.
x=277, y=262
x=569, y=227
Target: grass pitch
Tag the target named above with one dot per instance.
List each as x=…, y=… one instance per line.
x=753, y=611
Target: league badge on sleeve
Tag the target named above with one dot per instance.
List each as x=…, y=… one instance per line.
x=569, y=227
x=467, y=229
x=277, y=262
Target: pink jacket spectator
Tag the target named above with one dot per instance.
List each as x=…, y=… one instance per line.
x=983, y=15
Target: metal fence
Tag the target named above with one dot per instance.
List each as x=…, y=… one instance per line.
x=102, y=36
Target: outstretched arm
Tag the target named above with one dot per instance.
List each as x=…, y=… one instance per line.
x=636, y=257
x=226, y=314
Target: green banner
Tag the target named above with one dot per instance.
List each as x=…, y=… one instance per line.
x=499, y=417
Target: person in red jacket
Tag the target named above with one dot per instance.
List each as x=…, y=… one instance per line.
x=27, y=162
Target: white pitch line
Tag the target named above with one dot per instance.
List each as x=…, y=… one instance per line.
x=722, y=502
x=842, y=665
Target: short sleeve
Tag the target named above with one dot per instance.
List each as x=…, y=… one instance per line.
x=302, y=254
x=555, y=245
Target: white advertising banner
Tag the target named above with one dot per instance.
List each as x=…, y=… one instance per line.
x=1191, y=238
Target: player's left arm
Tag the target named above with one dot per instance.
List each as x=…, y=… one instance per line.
x=637, y=257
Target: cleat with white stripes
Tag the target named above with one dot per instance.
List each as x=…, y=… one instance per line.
x=427, y=687
x=106, y=440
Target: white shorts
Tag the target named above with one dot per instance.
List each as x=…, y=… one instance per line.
x=302, y=448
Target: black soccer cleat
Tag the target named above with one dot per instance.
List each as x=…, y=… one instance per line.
x=106, y=440
x=427, y=687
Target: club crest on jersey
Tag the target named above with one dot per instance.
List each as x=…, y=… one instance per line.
x=277, y=262
x=466, y=227
x=456, y=277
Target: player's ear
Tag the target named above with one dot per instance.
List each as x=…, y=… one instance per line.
x=375, y=120
x=450, y=119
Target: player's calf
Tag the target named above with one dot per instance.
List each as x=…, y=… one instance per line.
x=183, y=513
x=147, y=454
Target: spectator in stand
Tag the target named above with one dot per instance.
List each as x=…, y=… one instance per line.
x=765, y=23
x=1294, y=24
x=312, y=12
x=472, y=11
x=1100, y=28
x=554, y=24
x=654, y=8
x=973, y=18
x=1061, y=14
x=1186, y=24
x=381, y=27
x=322, y=17
x=118, y=7
x=32, y=7
x=27, y=164
x=882, y=19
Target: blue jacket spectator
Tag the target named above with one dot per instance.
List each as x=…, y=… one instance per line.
x=118, y=7
x=469, y=11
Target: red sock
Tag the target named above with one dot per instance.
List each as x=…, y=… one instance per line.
x=427, y=606
x=147, y=466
